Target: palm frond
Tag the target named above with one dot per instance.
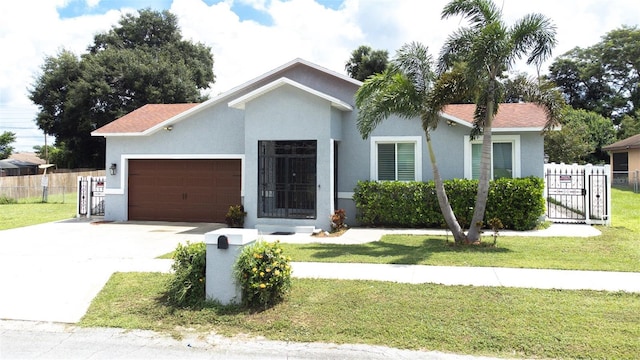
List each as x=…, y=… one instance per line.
x=478, y=12
x=455, y=49
x=534, y=34
x=383, y=95
x=414, y=61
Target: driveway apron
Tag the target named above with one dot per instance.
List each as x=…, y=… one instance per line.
x=51, y=272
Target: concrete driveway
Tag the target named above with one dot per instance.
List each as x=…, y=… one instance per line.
x=52, y=272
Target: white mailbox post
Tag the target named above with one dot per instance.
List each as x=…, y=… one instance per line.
x=223, y=248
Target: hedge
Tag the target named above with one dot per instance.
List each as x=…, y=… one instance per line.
x=518, y=203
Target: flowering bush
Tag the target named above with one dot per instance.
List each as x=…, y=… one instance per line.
x=187, y=284
x=263, y=273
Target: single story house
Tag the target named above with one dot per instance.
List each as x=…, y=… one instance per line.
x=286, y=146
x=625, y=160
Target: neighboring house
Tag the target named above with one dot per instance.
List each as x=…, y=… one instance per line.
x=286, y=146
x=625, y=160
x=20, y=164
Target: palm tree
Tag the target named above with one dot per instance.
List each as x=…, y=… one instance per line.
x=481, y=53
x=404, y=89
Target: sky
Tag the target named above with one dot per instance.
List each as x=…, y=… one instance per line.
x=251, y=37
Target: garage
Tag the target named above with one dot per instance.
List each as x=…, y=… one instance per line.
x=183, y=189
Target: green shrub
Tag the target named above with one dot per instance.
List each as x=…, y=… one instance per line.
x=187, y=285
x=5, y=200
x=235, y=216
x=518, y=203
x=263, y=273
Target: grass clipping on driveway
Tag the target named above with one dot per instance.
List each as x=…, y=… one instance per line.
x=505, y=322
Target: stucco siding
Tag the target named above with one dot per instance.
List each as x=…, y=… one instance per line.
x=288, y=113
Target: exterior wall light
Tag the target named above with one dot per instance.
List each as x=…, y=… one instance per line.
x=113, y=169
x=168, y=127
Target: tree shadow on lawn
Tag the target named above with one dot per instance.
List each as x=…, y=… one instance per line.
x=391, y=247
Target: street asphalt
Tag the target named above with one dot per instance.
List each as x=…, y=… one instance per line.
x=50, y=273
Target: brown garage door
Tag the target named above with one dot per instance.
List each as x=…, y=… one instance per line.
x=183, y=190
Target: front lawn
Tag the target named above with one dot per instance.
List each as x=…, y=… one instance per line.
x=33, y=211
x=618, y=249
x=505, y=322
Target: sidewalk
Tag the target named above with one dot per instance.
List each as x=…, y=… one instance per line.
x=473, y=276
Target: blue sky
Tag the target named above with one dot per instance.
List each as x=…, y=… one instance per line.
x=244, y=11
x=250, y=37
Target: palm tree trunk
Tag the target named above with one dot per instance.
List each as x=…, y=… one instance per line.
x=443, y=200
x=475, y=227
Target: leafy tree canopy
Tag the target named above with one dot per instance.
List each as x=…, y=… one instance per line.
x=604, y=78
x=365, y=62
x=141, y=60
x=6, y=139
x=581, y=138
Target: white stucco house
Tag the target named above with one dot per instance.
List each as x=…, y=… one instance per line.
x=286, y=146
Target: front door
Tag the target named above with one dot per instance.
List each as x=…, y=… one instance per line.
x=287, y=179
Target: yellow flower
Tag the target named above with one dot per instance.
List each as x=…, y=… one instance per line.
x=261, y=273
x=277, y=272
x=268, y=269
x=262, y=286
x=255, y=255
x=255, y=269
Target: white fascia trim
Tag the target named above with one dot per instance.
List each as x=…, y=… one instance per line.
x=124, y=166
x=240, y=102
x=516, y=129
x=373, y=153
x=514, y=139
x=455, y=120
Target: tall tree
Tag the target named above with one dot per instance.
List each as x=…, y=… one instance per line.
x=488, y=47
x=365, y=62
x=581, y=137
x=141, y=60
x=6, y=139
x=605, y=77
x=404, y=89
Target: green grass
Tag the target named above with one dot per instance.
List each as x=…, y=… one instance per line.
x=505, y=322
x=33, y=211
x=617, y=249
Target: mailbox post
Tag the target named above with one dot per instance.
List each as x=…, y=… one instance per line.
x=223, y=248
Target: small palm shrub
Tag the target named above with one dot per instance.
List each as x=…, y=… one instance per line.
x=235, y=216
x=187, y=284
x=263, y=273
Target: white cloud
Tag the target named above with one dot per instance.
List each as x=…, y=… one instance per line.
x=32, y=29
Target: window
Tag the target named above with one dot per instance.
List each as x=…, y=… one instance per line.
x=396, y=158
x=287, y=179
x=505, y=157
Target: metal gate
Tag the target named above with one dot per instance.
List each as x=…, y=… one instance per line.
x=90, y=196
x=578, y=193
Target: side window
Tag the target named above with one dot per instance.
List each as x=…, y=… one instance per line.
x=396, y=158
x=503, y=157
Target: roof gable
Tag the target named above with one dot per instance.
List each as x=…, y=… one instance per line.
x=240, y=102
x=510, y=116
x=147, y=121
x=632, y=142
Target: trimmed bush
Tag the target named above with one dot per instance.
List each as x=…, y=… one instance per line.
x=518, y=203
x=264, y=274
x=187, y=285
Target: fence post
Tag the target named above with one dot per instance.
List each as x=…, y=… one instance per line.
x=79, y=196
x=588, y=177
